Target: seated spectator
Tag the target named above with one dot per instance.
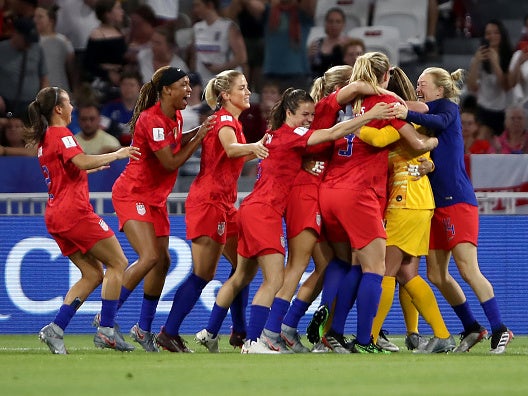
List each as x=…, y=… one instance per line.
x=191, y=113
x=352, y=49
x=255, y=119
x=91, y=138
x=143, y=21
x=23, y=70
x=116, y=114
x=106, y=49
x=326, y=51
x=218, y=44
x=514, y=139
x=163, y=51
x=12, y=141
x=58, y=50
x=473, y=144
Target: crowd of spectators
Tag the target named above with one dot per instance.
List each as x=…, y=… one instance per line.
x=102, y=51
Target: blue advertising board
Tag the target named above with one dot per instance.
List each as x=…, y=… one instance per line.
x=35, y=277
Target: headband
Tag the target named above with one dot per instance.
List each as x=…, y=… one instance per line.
x=171, y=75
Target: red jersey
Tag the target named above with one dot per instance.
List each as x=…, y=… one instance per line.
x=276, y=173
x=146, y=179
x=357, y=165
x=326, y=116
x=69, y=199
x=217, y=180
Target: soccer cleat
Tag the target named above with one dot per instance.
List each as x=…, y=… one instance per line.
x=146, y=339
x=500, y=339
x=437, y=345
x=203, y=337
x=236, y=339
x=274, y=341
x=315, y=329
x=320, y=347
x=53, y=336
x=106, y=337
x=171, y=343
x=414, y=341
x=292, y=339
x=256, y=347
x=96, y=322
x=336, y=342
x=385, y=343
x=468, y=339
x=369, y=348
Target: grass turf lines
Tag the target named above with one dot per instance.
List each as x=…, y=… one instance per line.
x=28, y=368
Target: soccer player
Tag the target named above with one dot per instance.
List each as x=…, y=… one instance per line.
x=408, y=216
x=210, y=212
x=455, y=223
x=81, y=235
x=263, y=246
x=140, y=193
x=355, y=182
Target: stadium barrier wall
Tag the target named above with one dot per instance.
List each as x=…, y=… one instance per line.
x=35, y=277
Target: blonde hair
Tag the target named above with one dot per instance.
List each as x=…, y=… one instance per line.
x=223, y=82
x=370, y=68
x=326, y=84
x=449, y=81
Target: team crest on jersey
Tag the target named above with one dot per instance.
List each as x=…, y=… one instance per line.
x=140, y=207
x=283, y=240
x=68, y=141
x=226, y=117
x=158, y=134
x=318, y=219
x=301, y=131
x=221, y=228
x=103, y=225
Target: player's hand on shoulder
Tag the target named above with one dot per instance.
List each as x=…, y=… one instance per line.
x=206, y=127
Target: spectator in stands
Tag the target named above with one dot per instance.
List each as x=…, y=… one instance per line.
x=514, y=139
x=488, y=78
x=81, y=235
x=58, y=49
x=473, y=144
x=327, y=51
x=352, y=49
x=252, y=29
x=142, y=24
x=218, y=44
x=76, y=19
x=163, y=51
x=287, y=25
x=518, y=70
x=91, y=138
x=116, y=114
x=12, y=142
x=255, y=119
x=23, y=70
x=106, y=49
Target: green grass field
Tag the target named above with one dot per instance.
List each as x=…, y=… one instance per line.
x=28, y=368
